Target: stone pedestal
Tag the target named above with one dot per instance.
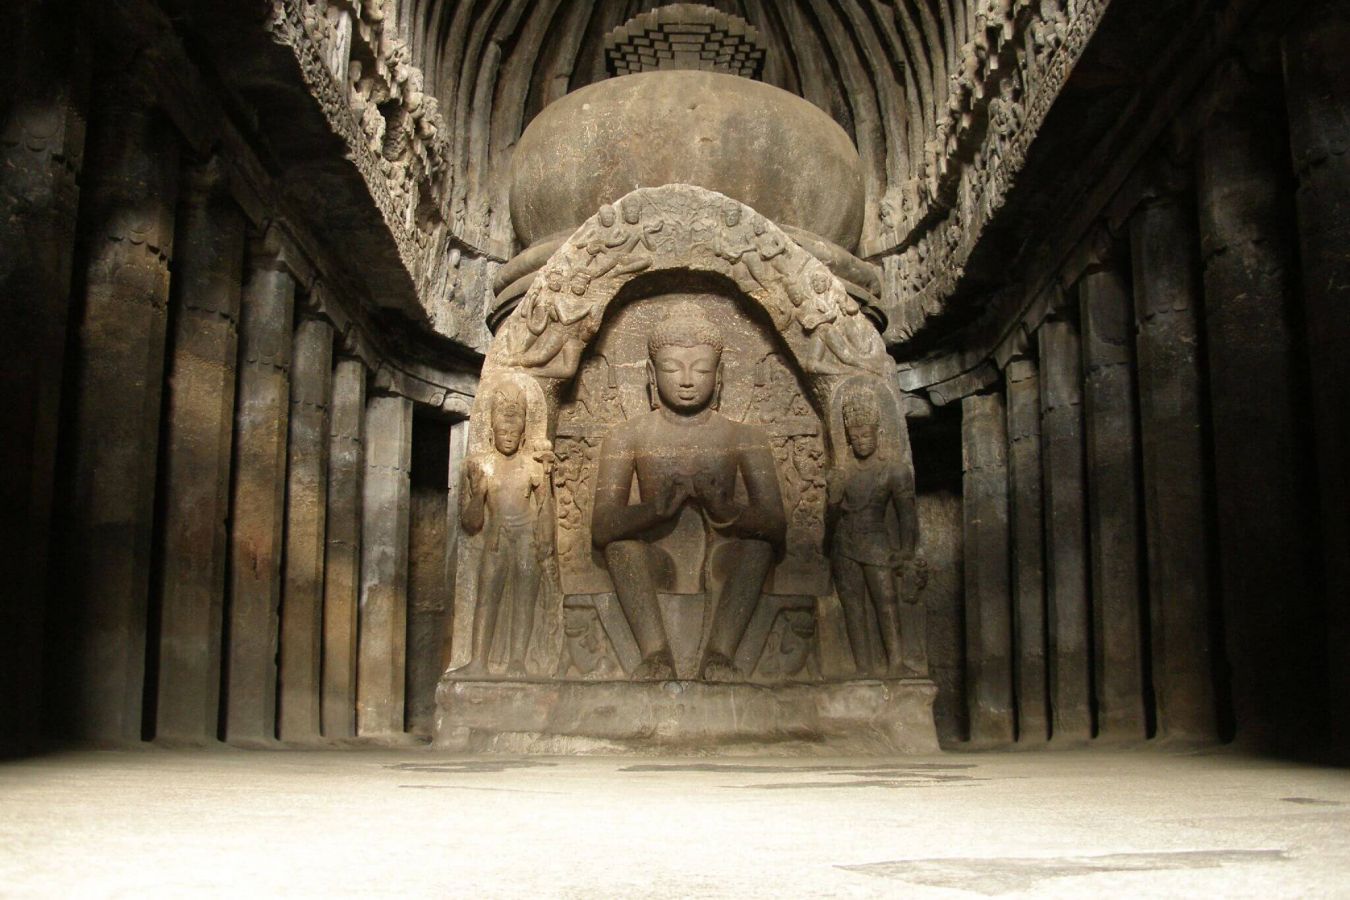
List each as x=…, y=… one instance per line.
x=830, y=718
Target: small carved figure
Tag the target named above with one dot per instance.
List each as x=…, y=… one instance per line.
x=611, y=248
x=685, y=452
x=840, y=336
x=791, y=646
x=731, y=244
x=507, y=497
x=865, y=553
x=551, y=345
x=759, y=254
x=588, y=653
x=768, y=244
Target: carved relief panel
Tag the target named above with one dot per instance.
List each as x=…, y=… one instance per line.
x=683, y=367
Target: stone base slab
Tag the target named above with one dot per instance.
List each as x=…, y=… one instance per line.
x=867, y=717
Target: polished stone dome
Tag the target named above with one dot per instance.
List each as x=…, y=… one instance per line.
x=768, y=148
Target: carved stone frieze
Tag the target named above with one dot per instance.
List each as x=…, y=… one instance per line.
x=1011, y=73
x=360, y=72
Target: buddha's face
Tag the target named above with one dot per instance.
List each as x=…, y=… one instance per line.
x=631, y=214
x=863, y=439
x=686, y=377
x=607, y=216
x=554, y=280
x=508, y=428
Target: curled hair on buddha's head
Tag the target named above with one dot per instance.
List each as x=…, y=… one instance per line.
x=686, y=325
x=861, y=407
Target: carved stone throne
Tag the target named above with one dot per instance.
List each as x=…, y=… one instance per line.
x=576, y=348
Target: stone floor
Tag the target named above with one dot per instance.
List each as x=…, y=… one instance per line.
x=157, y=823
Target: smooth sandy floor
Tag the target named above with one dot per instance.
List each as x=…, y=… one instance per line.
x=411, y=823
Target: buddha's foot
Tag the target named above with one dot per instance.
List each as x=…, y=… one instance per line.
x=717, y=667
x=657, y=666
x=516, y=669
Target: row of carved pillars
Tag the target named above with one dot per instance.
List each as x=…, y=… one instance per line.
x=1156, y=504
x=209, y=507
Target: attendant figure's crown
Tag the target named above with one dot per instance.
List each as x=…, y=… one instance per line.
x=860, y=407
x=508, y=402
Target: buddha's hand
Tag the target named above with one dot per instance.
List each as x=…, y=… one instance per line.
x=712, y=492
x=674, y=494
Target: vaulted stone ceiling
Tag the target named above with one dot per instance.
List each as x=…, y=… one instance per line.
x=940, y=97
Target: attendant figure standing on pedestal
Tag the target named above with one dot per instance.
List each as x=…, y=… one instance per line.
x=507, y=497
x=865, y=552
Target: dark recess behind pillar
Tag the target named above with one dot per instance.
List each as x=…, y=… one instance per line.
x=429, y=588
x=936, y=444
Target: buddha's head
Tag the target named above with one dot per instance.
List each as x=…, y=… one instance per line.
x=553, y=279
x=607, y=216
x=508, y=420
x=862, y=421
x=632, y=213
x=684, y=361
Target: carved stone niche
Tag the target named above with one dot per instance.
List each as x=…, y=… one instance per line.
x=658, y=443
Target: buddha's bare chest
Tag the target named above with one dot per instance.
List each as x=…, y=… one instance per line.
x=676, y=453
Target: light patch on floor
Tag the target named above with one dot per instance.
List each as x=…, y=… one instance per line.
x=1001, y=875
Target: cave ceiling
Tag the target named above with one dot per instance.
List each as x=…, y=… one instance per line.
x=941, y=98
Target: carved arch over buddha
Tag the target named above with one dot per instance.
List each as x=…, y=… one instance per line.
x=794, y=338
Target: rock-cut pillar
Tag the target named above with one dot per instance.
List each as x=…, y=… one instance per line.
x=1026, y=526
x=1262, y=455
x=342, y=559
x=1065, y=533
x=199, y=426
x=41, y=154
x=383, y=630
x=1113, y=502
x=1164, y=247
x=984, y=448
x=1317, y=97
x=122, y=286
x=259, y=494
x=301, y=659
